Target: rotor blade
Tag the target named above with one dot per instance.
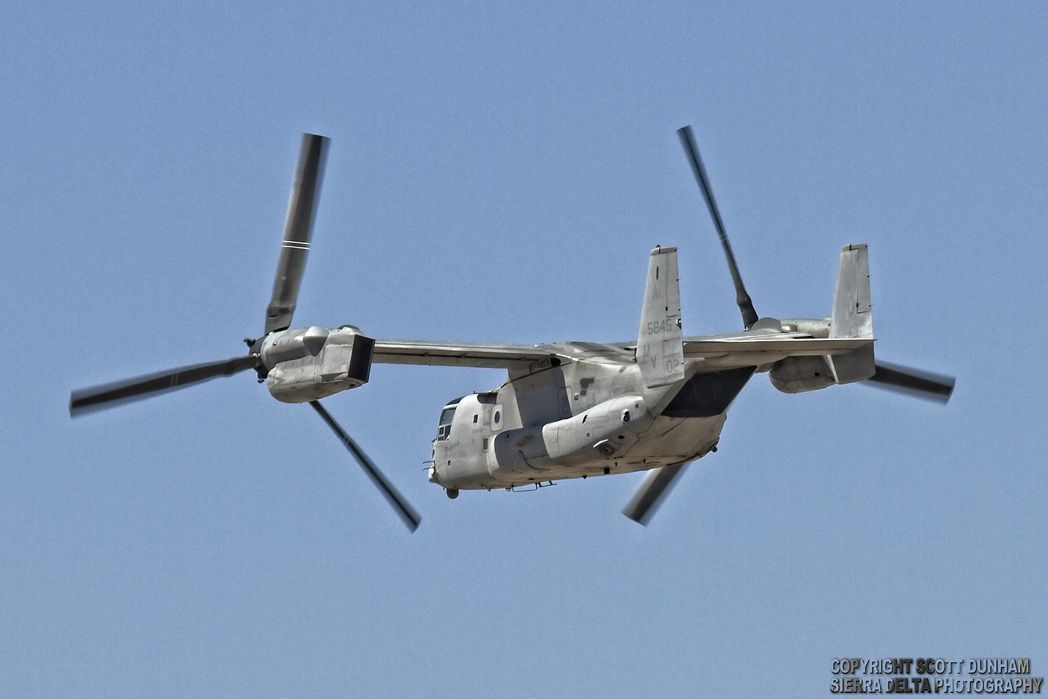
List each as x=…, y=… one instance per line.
x=110, y=395
x=657, y=484
x=917, y=383
x=406, y=512
x=687, y=140
x=297, y=232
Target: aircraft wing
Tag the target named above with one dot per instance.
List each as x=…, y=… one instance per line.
x=779, y=343
x=743, y=349
x=755, y=350
x=458, y=354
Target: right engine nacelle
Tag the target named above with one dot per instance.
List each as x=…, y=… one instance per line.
x=800, y=374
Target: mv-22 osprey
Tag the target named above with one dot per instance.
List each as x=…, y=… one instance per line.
x=571, y=409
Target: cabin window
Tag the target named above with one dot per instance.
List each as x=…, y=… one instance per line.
x=475, y=417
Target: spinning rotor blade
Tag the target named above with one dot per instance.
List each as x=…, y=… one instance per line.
x=687, y=140
x=297, y=232
x=110, y=395
x=920, y=384
x=656, y=486
x=406, y=512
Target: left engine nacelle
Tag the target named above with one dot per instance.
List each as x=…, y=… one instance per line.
x=335, y=360
x=800, y=374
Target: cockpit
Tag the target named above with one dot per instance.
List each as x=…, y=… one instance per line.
x=446, y=416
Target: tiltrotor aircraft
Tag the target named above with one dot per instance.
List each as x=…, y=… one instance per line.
x=566, y=410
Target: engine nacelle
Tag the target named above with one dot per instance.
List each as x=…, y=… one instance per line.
x=338, y=362
x=800, y=374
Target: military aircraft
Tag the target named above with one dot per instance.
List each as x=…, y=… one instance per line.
x=569, y=409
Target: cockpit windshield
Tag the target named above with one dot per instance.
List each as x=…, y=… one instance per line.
x=446, y=415
x=444, y=427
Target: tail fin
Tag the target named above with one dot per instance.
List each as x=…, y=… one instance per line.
x=660, y=350
x=853, y=314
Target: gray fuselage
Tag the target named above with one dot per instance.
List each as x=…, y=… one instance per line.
x=587, y=414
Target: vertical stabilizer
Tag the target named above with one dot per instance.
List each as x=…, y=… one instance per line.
x=853, y=314
x=660, y=350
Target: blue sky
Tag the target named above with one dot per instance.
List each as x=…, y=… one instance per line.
x=498, y=172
